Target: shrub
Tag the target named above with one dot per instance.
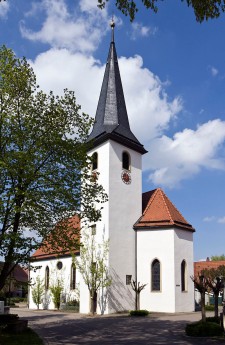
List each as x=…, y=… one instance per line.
x=8, y=318
x=203, y=329
x=139, y=312
x=213, y=319
x=209, y=307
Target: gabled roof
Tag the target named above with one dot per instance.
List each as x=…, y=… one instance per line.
x=18, y=273
x=67, y=235
x=159, y=212
x=111, y=119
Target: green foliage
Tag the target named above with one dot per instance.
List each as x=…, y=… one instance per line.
x=19, y=299
x=218, y=257
x=139, y=312
x=213, y=319
x=203, y=9
x=203, y=329
x=56, y=293
x=209, y=307
x=26, y=337
x=93, y=264
x=72, y=306
x=38, y=291
x=43, y=164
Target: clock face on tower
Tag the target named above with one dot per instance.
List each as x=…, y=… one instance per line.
x=126, y=177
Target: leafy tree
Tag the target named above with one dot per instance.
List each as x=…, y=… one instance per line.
x=202, y=286
x=203, y=9
x=214, y=280
x=43, y=163
x=137, y=289
x=38, y=291
x=56, y=291
x=211, y=280
x=218, y=257
x=93, y=266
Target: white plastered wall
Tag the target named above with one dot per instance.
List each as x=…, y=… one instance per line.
x=184, y=251
x=54, y=274
x=170, y=247
x=118, y=216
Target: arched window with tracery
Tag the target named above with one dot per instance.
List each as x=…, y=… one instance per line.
x=156, y=275
x=125, y=160
x=47, y=278
x=183, y=276
x=73, y=277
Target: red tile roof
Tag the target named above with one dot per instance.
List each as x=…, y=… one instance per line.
x=18, y=273
x=49, y=249
x=201, y=265
x=159, y=212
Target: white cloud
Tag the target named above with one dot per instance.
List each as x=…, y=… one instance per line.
x=69, y=64
x=139, y=30
x=79, y=29
x=214, y=71
x=221, y=220
x=4, y=8
x=209, y=219
x=58, y=69
x=184, y=155
x=146, y=99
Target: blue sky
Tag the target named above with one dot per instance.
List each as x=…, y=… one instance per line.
x=173, y=73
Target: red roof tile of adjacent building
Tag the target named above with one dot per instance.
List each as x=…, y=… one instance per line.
x=159, y=212
x=199, y=266
x=46, y=250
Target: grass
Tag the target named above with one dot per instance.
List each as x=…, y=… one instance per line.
x=27, y=337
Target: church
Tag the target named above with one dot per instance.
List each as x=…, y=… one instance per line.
x=149, y=240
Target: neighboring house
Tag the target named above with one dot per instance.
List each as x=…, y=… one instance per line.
x=199, y=266
x=17, y=281
x=149, y=240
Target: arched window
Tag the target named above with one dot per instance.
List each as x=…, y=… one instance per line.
x=73, y=277
x=125, y=160
x=47, y=278
x=95, y=161
x=183, y=276
x=156, y=278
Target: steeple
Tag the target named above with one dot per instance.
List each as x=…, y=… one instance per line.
x=111, y=120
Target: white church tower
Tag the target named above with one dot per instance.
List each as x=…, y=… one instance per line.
x=118, y=161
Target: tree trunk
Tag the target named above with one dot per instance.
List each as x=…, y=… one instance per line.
x=203, y=306
x=216, y=297
x=138, y=300
x=94, y=303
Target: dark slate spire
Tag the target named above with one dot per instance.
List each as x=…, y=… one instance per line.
x=111, y=120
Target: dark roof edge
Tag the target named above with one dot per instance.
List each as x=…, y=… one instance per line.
x=163, y=227
x=119, y=139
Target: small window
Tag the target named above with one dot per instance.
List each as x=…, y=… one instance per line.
x=156, y=275
x=128, y=279
x=73, y=277
x=126, y=161
x=93, y=229
x=47, y=278
x=59, y=265
x=95, y=161
x=183, y=276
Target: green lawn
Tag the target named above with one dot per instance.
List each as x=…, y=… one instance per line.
x=27, y=337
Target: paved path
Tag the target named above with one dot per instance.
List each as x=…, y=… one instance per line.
x=58, y=328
